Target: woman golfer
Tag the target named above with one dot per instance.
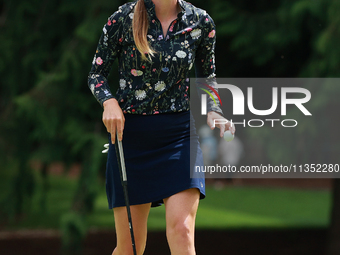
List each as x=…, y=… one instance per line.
x=156, y=42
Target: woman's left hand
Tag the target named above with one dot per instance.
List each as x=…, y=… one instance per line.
x=223, y=125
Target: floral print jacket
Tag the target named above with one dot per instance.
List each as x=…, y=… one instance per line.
x=160, y=85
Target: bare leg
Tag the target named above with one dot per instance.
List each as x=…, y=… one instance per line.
x=139, y=214
x=181, y=211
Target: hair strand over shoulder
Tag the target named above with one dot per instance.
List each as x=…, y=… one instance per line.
x=140, y=26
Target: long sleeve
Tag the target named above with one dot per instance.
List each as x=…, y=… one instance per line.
x=205, y=62
x=108, y=48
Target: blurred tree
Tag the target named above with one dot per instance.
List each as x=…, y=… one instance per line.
x=289, y=38
x=46, y=108
x=326, y=62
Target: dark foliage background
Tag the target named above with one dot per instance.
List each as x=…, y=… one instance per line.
x=48, y=114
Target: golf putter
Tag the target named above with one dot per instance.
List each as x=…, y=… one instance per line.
x=123, y=177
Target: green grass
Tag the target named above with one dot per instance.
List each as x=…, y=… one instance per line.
x=264, y=207
x=232, y=207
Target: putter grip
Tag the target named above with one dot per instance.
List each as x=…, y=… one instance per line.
x=120, y=159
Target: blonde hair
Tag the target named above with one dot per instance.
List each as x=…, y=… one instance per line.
x=140, y=25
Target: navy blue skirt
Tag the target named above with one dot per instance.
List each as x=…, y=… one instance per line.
x=160, y=152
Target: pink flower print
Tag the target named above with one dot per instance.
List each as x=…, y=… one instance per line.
x=154, y=70
x=206, y=19
x=156, y=112
x=212, y=34
x=136, y=72
x=172, y=26
x=188, y=29
x=113, y=21
x=153, y=21
x=98, y=85
x=120, y=40
x=99, y=61
x=109, y=23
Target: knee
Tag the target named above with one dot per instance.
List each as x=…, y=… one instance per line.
x=180, y=229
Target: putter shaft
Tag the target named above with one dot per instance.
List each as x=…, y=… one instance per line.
x=123, y=177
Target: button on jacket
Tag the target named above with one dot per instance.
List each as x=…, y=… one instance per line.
x=160, y=85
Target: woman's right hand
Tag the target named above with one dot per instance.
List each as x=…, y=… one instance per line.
x=113, y=119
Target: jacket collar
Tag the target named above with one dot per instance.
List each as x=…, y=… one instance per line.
x=186, y=10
